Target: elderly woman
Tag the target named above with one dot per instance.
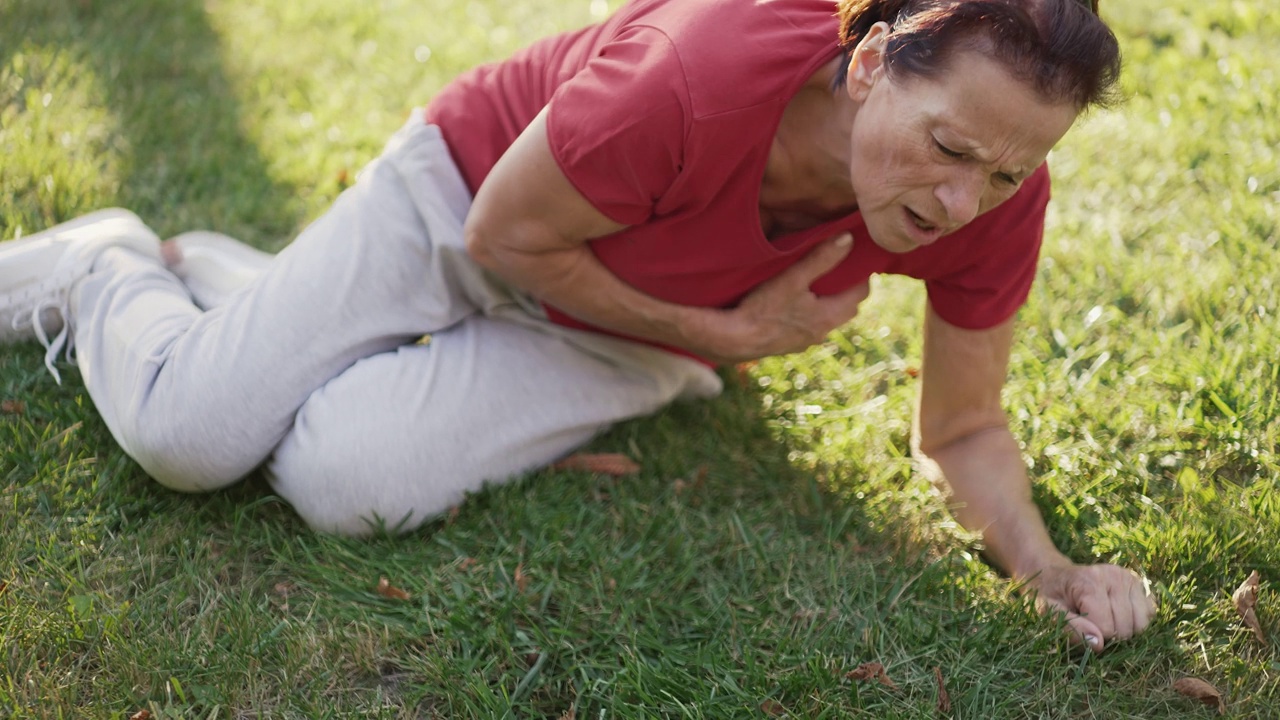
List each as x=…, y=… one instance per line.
x=585, y=230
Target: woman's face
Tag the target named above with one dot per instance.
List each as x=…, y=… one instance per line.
x=928, y=155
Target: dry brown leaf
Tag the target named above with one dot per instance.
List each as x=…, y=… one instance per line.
x=773, y=708
x=700, y=476
x=615, y=464
x=141, y=715
x=743, y=372
x=1246, y=597
x=1198, y=689
x=521, y=579
x=865, y=671
x=944, y=700
x=387, y=590
x=872, y=671
x=466, y=563
x=282, y=591
x=570, y=714
x=13, y=407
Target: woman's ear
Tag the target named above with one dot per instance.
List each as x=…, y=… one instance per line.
x=866, y=63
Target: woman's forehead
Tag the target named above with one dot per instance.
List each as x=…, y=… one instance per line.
x=976, y=90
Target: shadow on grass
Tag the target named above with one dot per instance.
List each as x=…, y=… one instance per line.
x=186, y=161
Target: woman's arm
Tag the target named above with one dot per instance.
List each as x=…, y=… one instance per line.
x=963, y=441
x=531, y=226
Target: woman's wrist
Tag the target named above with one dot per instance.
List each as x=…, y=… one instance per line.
x=1029, y=565
x=713, y=333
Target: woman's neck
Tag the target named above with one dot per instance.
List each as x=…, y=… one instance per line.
x=808, y=166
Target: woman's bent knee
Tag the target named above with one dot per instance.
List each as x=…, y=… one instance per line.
x=180, y=460
x=345, y=493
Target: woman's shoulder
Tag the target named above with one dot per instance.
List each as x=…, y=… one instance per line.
x=736, y=54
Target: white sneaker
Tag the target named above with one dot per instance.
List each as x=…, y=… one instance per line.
x=213, y=266
x=37, y=273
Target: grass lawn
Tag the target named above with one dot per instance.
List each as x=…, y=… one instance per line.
x=775, y=539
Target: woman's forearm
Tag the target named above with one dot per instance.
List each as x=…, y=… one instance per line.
x=573, y=280
x=990, y=493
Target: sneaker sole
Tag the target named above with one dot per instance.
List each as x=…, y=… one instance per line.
x=131, y=232
x=48, y=262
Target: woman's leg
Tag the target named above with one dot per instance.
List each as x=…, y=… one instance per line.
x=402, y=436
x=200, y=399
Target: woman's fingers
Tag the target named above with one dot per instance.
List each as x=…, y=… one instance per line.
x=1079, y=627
x=820, y=261
x=1082, y=630
x=1100, y=602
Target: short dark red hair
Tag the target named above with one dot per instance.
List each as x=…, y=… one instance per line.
x=1061, y=48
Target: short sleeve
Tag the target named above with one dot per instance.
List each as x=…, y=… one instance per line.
x=1003, y=247
x=618, y=127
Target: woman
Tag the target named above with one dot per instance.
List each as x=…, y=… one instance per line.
x=585, y=230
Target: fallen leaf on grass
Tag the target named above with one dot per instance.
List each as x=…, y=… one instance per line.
x=141, y=715
x=872, y=671
x=282, y=590
x=615, y=464
x=699, y=479
x=13, y=407
x=521, y=578
x=944, y=700
x=466, y=563
x=387, y=590
x=570, y=714
x=1246, y=597
x=1197, y=689
x=773, y=708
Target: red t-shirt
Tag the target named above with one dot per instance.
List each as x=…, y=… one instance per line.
x=663, y=117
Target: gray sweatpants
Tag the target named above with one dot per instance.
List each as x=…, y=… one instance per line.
x=315, y=372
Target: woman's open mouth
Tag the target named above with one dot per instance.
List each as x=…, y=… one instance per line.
x=925, y=232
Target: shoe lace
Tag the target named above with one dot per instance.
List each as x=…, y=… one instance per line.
x=63, y=340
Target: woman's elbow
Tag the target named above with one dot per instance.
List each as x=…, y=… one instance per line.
x=479, y=245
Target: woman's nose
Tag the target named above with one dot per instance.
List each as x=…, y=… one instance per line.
x=961, y=195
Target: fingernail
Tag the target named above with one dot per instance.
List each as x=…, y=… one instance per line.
x=1093, y=641
x=844, y=240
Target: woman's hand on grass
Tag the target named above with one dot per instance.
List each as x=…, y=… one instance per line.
x=1100, y=602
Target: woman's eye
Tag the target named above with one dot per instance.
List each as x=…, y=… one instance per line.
x=946, y=150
